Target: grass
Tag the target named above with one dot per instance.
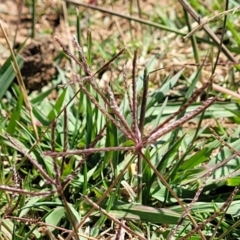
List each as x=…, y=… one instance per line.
x=117, y=157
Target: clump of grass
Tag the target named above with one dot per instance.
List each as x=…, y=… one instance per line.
x=97, y=169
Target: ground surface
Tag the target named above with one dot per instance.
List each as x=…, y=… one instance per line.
x=173, y=52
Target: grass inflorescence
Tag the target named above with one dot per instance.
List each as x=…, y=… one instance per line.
x=126, y=147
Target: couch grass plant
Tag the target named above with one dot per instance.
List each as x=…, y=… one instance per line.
x=113, y=155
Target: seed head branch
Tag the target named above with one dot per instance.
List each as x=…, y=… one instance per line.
x=195, y=95
x=125, y=129
x=170, y=127
x=33, y=161
x=87, y=151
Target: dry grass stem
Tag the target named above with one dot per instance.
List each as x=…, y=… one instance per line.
x=217, y=16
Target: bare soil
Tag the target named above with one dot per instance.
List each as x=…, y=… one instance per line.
x=174, y=52
x=38, y=53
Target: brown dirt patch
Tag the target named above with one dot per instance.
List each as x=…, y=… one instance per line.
x=174, y=53
x=38, y=69
x=38, y=53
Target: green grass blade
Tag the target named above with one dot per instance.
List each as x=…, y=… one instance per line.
x=16, y=114
x=7, y=74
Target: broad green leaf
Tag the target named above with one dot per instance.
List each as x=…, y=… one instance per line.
x=149, y=214
x=7, y=74
x=15, y=116
x=58, y=105
x=55, y=217
x=230, y=166
x=234, y=181
x=217, y=110
x=209, y=207
x=31, y=203
x=196, y=159
x=42, y=96
x=158, y=95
